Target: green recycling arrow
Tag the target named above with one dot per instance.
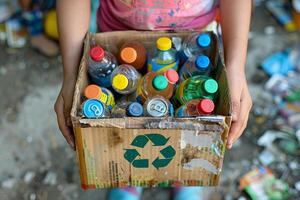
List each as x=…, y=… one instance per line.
x=141, y=163
x=157, y=139
x=130, y=154
x=159, y=163
x=140, y=141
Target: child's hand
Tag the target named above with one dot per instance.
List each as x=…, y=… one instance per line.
x=62, y=108
x=241, y=103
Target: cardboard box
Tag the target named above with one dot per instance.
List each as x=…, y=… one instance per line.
x=149, y=151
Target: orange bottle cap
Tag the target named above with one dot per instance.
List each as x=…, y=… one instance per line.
x=206, y=106
x=128, y=55
x=92, y=92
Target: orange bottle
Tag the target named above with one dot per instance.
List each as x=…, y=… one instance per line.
x=134, y=54
x=153, y=84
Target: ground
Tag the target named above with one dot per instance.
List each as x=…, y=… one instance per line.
x=36, y=163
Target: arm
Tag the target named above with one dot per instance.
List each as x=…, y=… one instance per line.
x=235, y=22
x=73, y=23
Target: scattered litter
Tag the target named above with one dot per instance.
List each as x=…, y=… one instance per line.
x=29, y=176
x=50, y=179
x=9, y=183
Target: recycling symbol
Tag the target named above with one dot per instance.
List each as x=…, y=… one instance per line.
x=140, y=141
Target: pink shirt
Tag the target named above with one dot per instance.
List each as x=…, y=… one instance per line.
x=116, y=15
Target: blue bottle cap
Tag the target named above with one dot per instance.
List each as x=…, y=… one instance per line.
x=135, y=109
x=203, y=40
x=202, y=62
x=93, y=108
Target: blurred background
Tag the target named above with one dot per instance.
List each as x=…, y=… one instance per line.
x=36, y=162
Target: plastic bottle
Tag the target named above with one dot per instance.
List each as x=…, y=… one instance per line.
x=102, y=94
x=196, y=87
x=153, y=84
x=101, y=65
x=134, y=54
x=157, y=107
x=194, y=66
x=129, y=109
x=165, y=57
x=196, y=107
x=93, y=109
x=125, y=79
x=196, y=44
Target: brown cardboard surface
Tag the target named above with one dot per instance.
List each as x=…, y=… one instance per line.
x=101, y=143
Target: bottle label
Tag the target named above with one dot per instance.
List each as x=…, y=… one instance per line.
x=180, y=92
x=155, y=67
x=140, y=97
x=107, y=98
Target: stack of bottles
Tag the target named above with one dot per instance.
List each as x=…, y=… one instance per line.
x=137, y=83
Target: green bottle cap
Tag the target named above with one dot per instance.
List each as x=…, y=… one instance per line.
x=211, y=86
x=160, y=82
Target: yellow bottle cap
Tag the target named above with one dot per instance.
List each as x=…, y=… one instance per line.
x=120, y=82
x=164, y=43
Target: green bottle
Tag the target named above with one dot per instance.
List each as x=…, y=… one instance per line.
x=197, y=87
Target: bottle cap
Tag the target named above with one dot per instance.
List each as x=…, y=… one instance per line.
x=92, y=92
x=135, y=109
x=157, y=107
x=203, y=40
x=206, y=106
x=97, y=53
x=120, y=82
x=172, y=76
x=160, y=82
x=202, y=62
x=164, y=43
x=128, y=55
x=211, y=86
x=93, y=108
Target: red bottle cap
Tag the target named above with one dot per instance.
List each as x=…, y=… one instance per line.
x=206, y=106
x=172, y=76
x=97, y=53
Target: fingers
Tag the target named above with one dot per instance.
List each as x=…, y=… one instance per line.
x=240, y=124
x=63, y=127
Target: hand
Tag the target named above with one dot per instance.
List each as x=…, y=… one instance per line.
x=62, y=108
x=241, y=104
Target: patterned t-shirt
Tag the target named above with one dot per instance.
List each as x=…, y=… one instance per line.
x=155, y=14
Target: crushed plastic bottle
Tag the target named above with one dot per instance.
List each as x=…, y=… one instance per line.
x=101, y=65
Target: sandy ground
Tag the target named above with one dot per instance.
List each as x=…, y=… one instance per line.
x=36, y=163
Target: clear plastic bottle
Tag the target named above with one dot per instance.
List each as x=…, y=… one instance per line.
x=196, y=87
x=165, y=57
x=94, y=109
x=101, y=65
x=129, y=109
x=125, y=79
x=196, y=107
x=153, y=84
x=104, y=95
x=157, y=106
x=196, y=44
x=194, y=66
